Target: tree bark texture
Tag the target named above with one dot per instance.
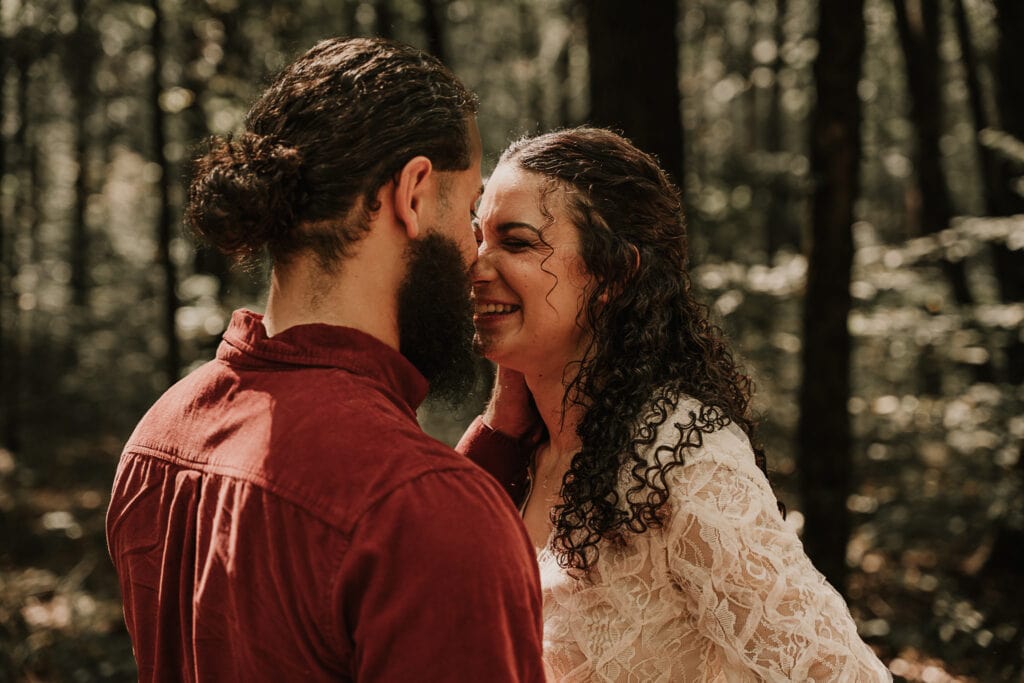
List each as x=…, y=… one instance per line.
x=634, y=75
x=824, y=458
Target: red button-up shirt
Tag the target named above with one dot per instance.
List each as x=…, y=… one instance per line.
x=279, y=515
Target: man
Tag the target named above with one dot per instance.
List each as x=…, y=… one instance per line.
x=278, y=514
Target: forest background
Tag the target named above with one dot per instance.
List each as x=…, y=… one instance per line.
x=853, y=177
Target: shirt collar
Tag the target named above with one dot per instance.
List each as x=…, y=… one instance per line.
x=322, y=345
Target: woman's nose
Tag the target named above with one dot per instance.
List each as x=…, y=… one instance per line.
x=483, y=270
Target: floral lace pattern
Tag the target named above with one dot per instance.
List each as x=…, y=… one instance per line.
x=722, y=592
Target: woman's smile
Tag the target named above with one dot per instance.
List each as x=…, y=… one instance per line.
x=528, y=281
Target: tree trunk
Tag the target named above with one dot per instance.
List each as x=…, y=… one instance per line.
x=780, y=230
x=976, y=99
x=81, y=56
x=385, y=18
x=1010, y=100
x=433, y=28
x=1009, y=265
x=634, y=75
x=563, y=117
x=172, y=361
x=8, y=332
x=529, y=49
x=917, y=23
x=824, y=459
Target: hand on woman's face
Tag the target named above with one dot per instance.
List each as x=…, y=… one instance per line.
x=529, y=281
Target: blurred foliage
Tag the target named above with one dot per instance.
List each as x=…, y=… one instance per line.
x=939, y=430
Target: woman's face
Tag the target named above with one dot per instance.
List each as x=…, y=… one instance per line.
x=529, y=281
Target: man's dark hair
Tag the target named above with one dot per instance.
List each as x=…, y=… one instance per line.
x=332, y=129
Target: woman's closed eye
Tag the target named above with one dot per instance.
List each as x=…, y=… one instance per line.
x=516, y=244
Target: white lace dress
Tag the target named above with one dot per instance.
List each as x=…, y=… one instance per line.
x=722, y=592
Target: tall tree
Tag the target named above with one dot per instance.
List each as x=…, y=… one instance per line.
x=529, y=49
x=23, y=50
x=433, y=28
x=7, y=337
x=917, y=23
x=82, y=49
x=634, y=74
x=385, y=18
x=561, y=73
x=1009, y=264
x=824, y=458
x=780, y=229
x=976, y=100
x=172, y=361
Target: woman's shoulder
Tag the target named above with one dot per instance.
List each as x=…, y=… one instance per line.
x=703, y=461
x=687, y=432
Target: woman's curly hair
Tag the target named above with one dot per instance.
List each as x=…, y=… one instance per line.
x=651, y=341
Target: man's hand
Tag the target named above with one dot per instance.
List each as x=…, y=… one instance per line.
x=511, y=410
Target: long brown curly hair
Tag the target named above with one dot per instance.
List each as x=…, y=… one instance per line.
x=651, y=341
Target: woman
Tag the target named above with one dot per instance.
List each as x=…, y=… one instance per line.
x=663, y=554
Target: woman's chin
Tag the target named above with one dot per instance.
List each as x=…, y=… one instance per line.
x=494, y=354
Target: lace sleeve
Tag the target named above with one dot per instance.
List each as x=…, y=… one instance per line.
x=752, y=589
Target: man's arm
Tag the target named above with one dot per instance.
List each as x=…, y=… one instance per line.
x=440, y=584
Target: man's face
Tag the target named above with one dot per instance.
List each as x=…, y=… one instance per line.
x=458, y=194
x=435, y=313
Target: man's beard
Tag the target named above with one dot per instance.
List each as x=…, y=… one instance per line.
x=435, y=317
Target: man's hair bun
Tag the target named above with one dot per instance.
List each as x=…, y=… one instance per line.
x=245, y=193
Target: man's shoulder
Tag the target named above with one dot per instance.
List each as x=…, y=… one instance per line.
x=370, y=460
x=326, y=440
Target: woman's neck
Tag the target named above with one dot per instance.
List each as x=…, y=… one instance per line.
x=548, y=392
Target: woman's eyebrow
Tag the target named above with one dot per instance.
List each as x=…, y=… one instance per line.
x=512, y=225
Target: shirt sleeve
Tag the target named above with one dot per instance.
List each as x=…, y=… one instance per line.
x=440, y=584
x=755, y=592
x=503, y=457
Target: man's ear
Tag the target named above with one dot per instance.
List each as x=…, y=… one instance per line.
x=411, y=191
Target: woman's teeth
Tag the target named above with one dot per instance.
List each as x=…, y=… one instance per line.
x=495, y=308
